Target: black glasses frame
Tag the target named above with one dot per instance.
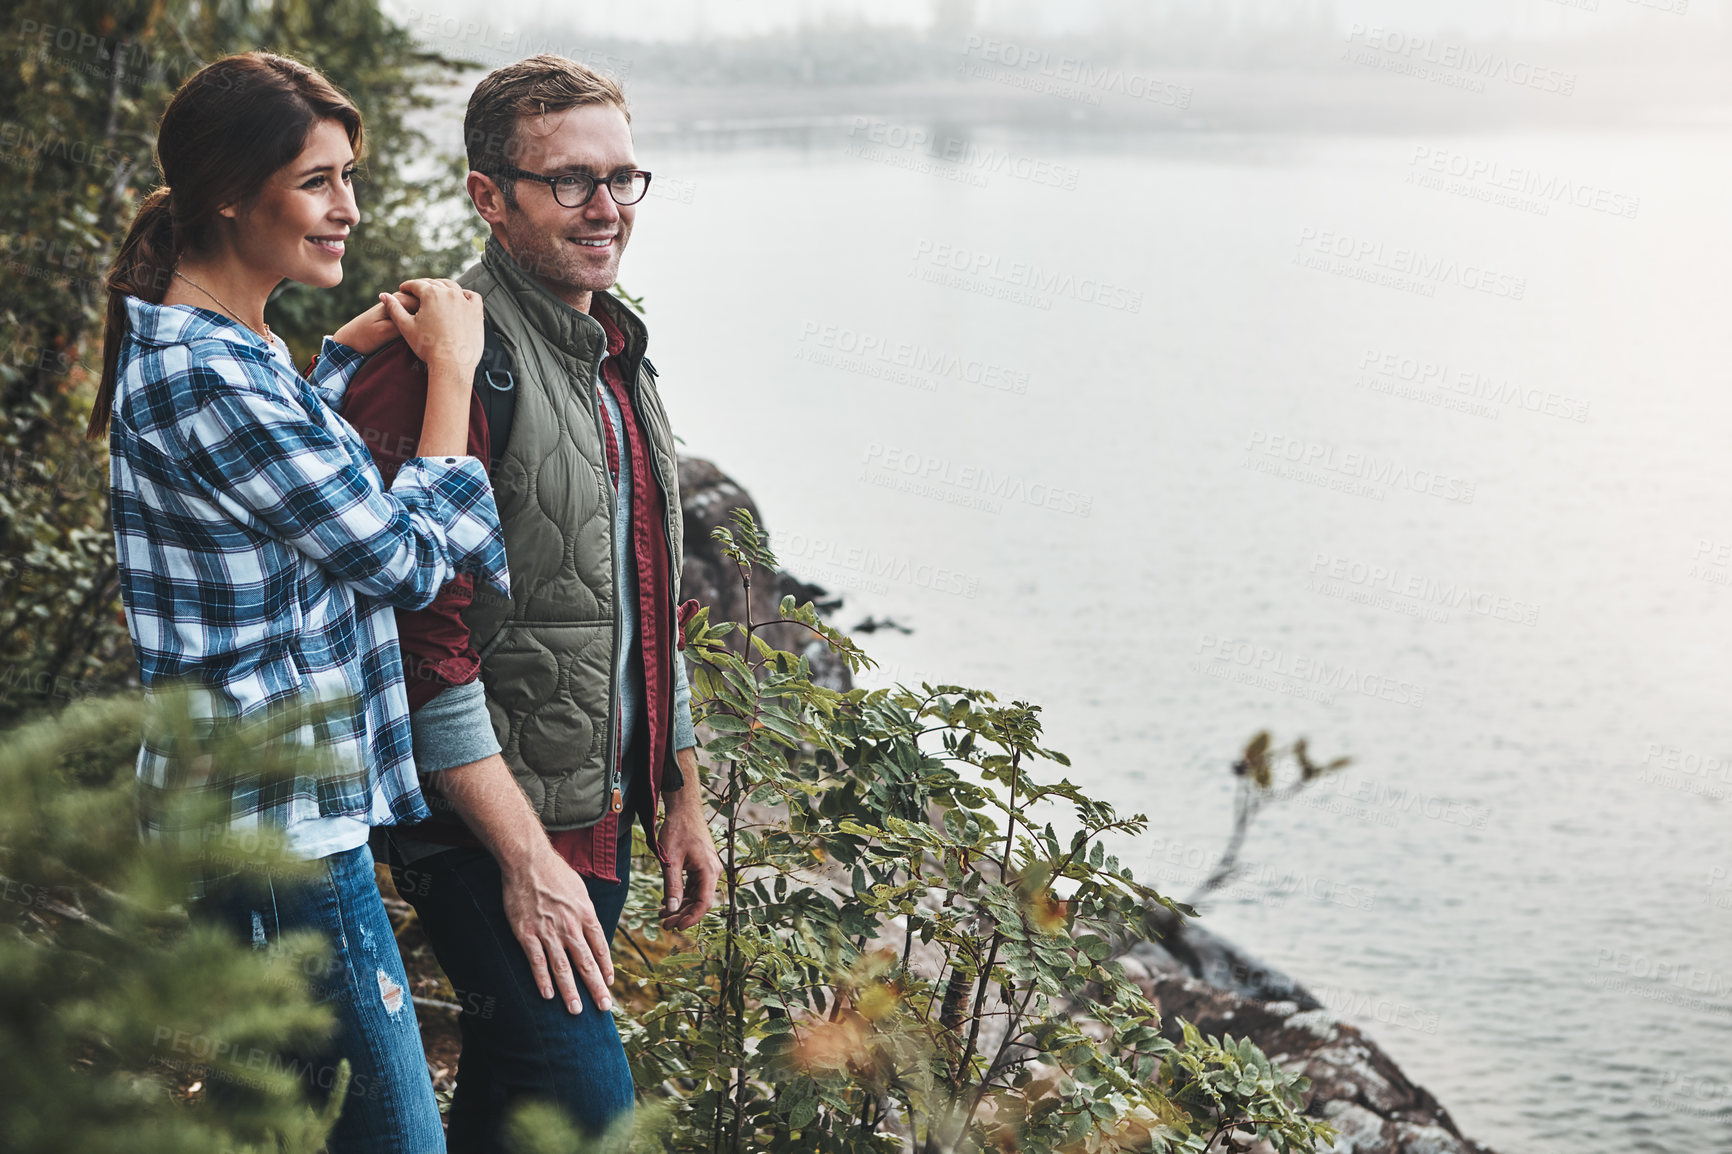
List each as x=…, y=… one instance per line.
x=574, y=180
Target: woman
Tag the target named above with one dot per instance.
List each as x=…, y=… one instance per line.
x=260, y=555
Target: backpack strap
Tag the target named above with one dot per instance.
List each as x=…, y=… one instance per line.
x=496, y=385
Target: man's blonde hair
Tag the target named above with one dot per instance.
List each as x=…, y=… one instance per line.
x=532, y=87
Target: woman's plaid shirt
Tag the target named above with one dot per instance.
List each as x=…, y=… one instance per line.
x=261, y=559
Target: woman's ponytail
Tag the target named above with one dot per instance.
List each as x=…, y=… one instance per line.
x=142, y=268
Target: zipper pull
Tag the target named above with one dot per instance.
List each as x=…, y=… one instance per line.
x=616, y=801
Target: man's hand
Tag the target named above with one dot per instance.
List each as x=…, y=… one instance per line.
x=689, y=878
x=546, y=901
x=548, y=908
x=373, y=329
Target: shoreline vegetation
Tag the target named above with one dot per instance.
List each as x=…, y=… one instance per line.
x=907, y=956
x=1190, y=973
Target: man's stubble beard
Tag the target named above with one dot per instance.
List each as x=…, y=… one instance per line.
x=554, y=262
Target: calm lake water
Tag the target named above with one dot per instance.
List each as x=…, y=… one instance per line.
x=1415, y=447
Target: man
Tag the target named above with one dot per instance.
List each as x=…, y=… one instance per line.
x=544, y=722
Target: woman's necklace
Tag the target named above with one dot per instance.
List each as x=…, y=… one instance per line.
x=266, y=334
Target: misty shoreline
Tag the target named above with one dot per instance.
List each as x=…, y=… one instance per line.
x=1184, y=100
x=1199, y=103
x=786, y=91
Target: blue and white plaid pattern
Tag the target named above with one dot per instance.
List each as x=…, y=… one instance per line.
x=261, y=558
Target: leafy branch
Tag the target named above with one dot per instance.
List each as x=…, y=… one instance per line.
x=907, y=954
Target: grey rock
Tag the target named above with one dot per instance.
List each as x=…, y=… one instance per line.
x=707, y=496
x=1355, y=1086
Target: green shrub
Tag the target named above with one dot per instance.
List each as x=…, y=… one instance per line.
x=903, y=951
x=117, y=1016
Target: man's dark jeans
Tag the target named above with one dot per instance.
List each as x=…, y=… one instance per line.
x=516, y=1045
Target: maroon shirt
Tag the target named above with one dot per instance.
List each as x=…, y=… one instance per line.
x=385, y=402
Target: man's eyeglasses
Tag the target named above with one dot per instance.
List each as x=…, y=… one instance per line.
x=573, y=190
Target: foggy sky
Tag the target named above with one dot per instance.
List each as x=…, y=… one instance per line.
x=700, y=19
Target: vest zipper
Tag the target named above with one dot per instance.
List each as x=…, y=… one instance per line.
x=612, y=758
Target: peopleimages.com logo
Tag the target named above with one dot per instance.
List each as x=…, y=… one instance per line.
x=1401, y=374
x=1521, y=182
x=1021, y=281
x=954, y=156
x=507, y=42
x=1380, y=803
x=1175, y=862
x=1068, y=77
x=968, y=485
x=1662, y=980
x=1687, y=771
x=861, y=350
x=832, y=557
x=1408, y=269
x=1430, y=58
x=1391, y=582
x=1346, y=1002
x=121, y=63
x=1711, y=561
x=23, y=148
x=1316, y=678
x=1318, y=462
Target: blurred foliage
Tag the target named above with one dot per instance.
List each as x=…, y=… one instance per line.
x=1259, y=783
x=905, y=956
x=115, y=1011
x=83, y=88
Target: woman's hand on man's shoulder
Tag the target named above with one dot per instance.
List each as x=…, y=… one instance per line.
x=375, y=328
x=445, y=328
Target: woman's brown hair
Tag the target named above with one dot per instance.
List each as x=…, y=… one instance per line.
x=229, y=127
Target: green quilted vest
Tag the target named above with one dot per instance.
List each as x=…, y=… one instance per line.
x=547, y=651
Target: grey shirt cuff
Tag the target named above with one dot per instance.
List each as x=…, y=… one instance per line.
x=684, y=737
x=453, y=729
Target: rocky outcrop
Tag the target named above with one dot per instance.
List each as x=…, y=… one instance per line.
x=1355, y=1086
x=707, y=496
x=1191, y=973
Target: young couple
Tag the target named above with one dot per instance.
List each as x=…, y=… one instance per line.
x=287, y=539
